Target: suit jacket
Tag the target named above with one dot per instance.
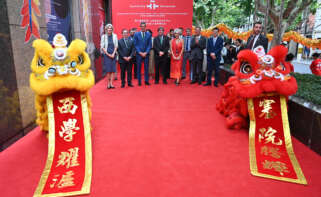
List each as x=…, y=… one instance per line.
x=125, y=51
x=217, y=48
x=197, y=49
x=142, y=45
x=185, y=43
x=262, y=40
x=240, y=49
x=164, y=47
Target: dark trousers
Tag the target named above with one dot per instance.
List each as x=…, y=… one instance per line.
x=197, y=69
x=160, y=66
x=135, y=67
x=139, y=61
x=168, y=67
x=126, y=67
x=213, y=65
x=186, y=57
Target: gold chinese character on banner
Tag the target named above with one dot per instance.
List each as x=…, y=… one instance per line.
x=267, y=111
x=70, y=159
x=68, y=129
x=66, y=180
x=268, y=136
x=68, y=106
x=276, y=165
x=271, y=151
x=55, y=179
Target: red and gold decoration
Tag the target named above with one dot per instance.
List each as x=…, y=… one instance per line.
x=29, y=11
x=288, y=36
x=257, y=74
x=69, y=163
x=271, y=152
x=61, y=80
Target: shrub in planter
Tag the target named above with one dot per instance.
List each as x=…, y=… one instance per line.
x=309, y=87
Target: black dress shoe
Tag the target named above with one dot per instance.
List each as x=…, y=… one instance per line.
x=200, y=82
x=206, y=84
x=112, y=87
x=139, y=83
x=215, y=84
x=156, y=82
x=165, y=82
x=122, y=85
x=130, y=85
x=147, y=83
x=192, y=82
x=183, y=77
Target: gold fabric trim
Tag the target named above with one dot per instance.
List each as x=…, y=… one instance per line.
x=288, y=142
x=253, y=164
x=51, y=148
x=88, y=146
x=88, y=168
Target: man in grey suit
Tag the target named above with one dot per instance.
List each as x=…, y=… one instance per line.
x=257, y=39
x=187, y=53
x=198, y=44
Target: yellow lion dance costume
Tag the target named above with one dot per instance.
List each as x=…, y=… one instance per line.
x=57, y=69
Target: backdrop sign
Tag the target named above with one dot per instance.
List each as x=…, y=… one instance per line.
x=156, y=13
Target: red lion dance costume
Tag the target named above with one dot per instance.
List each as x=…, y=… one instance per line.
x=258, y=91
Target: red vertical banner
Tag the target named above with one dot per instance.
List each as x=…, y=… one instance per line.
x=156, y=13
x=271, y=151
x=69, y=164
x=97, y=22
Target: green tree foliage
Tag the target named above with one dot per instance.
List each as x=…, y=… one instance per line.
x=288, y=15
x=236, y=13
x=233, y=13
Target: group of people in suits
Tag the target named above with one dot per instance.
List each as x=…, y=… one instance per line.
x=134, y=49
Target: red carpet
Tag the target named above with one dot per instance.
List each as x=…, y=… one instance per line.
x=160, y=141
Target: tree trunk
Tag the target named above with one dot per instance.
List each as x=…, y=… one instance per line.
x=278, y=33
x=278, y=28
x=266, y=16
x=255, y=11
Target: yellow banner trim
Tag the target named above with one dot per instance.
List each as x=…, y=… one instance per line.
x=289, y=148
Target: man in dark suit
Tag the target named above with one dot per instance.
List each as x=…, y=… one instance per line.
x=198, y=44
x=131, y=37
x=214, y=48
x=126, y=53
x=257, y=39
x=239, y=46
x=143, y=45
x=161, y=47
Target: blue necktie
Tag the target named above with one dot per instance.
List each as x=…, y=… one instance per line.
x=187, y=43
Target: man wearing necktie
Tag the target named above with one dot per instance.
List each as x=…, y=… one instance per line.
x=198, y=44
x=131, y=37
x=161, y=47
x=257, y=39
x=143, y=45
x=187, y=54
x=214, y=48
x=126, y=53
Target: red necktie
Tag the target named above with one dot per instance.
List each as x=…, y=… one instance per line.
x=251, y=43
